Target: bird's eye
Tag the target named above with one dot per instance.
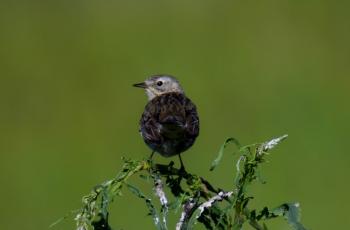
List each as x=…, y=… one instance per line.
x=159, y=83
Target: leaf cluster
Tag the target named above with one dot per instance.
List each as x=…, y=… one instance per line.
x=198, y=199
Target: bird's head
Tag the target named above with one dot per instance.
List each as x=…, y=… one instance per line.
x=160, y=84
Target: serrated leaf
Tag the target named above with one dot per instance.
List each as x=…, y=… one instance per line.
x=221, y=152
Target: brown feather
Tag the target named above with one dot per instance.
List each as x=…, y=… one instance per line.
x=170, y=124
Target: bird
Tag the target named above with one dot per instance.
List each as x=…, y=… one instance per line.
x=169, y=124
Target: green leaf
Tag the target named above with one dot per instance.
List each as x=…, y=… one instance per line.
x=151, y=208
x=291, y=212
x=221, y=152
x=259, y=176
x=73, y=212
x=265, y=227
x=195, y=196
x=293, y=217
x=95, y=204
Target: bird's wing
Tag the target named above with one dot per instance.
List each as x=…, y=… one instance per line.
x=149, y=126
x=192, y=119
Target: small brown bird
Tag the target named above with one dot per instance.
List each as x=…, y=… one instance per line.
x=169, y=124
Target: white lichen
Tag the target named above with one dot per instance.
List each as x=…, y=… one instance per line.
x=158, y=187
x=272, y=143
x=160, y=192
x=187, y=208
x=211, y=201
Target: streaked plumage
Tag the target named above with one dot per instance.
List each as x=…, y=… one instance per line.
x=169, y=124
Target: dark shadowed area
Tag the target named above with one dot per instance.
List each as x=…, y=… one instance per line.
x=255, y=69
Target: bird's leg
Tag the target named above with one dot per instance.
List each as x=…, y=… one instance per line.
x=182, y=168
x=150, y=160
x=150, y=157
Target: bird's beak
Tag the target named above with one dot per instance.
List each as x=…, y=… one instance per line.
x=140, y=85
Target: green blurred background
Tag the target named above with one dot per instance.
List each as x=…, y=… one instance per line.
x=255, y=69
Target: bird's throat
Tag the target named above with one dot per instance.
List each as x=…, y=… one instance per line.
x=151, y=94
